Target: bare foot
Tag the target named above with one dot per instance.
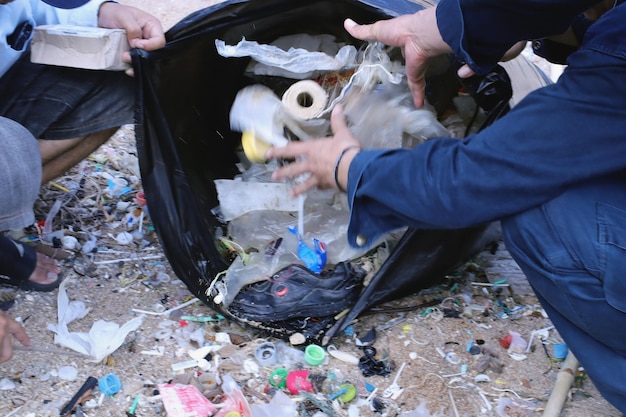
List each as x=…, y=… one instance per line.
x=46, y=271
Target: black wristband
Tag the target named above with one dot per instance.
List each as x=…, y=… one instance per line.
x=338, y=161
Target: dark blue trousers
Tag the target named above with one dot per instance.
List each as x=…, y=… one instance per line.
x=573, y=251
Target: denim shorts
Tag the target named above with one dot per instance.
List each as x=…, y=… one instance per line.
x=61, y=103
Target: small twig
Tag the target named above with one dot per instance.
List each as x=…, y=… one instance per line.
x=14, y=411
x=488, y=284
x=456, y=411
x=154, y=313
x=507, y=390
x=138, y=258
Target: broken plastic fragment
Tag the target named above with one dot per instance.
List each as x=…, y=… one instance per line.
x=83, y=392
x=313, y=258
x=298, y=381
x=482, y=378
x=124, y=238
x=280, y=406
x=343, y=356
x=6, y=384
x=68, y=373
x=394, y=389
x=265, y=353
x=235, y=400
x=185, y=400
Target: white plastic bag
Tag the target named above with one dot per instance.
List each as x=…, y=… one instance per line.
x=103, y=337
x=296, y=62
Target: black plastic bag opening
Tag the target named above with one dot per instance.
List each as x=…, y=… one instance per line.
x=185, y=143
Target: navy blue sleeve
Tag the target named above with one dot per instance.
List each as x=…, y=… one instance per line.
x=481, y=31
x=557, y=136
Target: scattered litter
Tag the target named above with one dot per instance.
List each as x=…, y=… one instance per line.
x=81, y=394
x=67, y=373
x=513, y=343
x=265, y=353
x=542, y=333
x=234, y=399
x=314, y=355
x=279, y=406
x=560, y=350
x=162, y=313
x=482, y=378
x=370, y=365
x=341, y=355
x=106, y=231
x=394, y=390
x=298, y=381
x=6, y=384
x=368, y=339
x=110, y=384
x=508, y=407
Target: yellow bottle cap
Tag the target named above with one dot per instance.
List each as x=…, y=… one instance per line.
x=253, y=147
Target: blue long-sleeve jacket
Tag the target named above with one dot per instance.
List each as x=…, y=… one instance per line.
x=557, y=136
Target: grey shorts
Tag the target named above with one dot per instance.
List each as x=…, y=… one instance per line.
x=63, y=103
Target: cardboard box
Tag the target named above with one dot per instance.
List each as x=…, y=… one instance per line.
x=79, y=47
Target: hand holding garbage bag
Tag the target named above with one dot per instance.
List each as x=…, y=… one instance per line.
x=142, y=29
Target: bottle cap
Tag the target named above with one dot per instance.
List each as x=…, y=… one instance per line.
x=265, y=353
x=109, y=384
x=314, y=355
x=253, y=147
x=278, y=378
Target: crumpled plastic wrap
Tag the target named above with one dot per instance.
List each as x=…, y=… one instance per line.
x=102, y=339
x=301, y=59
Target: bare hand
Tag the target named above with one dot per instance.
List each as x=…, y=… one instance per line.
x=142, y=29
x=10, y=329
x=317, y=157
x=417, y=35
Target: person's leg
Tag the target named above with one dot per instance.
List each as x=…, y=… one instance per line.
x=20, y=170
x=58, y=156
x=71, y=111
x=573, y=251
x=22, y=266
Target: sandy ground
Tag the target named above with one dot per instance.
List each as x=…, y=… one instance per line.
x=441, y=375
x=170, y=11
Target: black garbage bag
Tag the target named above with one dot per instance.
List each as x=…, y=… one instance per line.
x=185, y=92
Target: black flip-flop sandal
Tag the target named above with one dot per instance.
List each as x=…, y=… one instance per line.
x=17, y=263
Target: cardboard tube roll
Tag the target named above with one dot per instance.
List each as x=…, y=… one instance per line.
x=305, y=99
